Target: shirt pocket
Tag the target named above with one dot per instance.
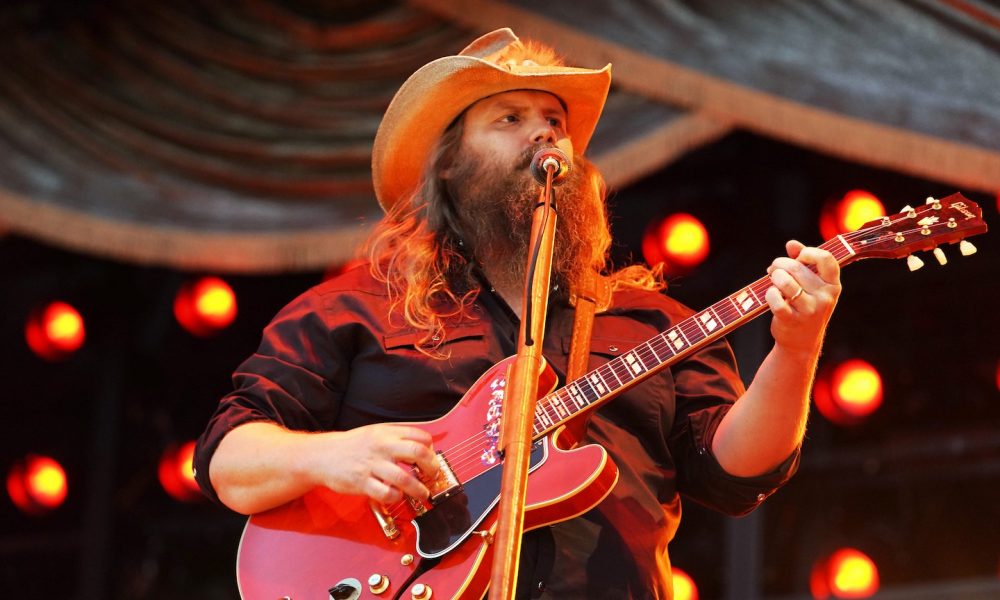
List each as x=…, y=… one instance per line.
x=409, y=384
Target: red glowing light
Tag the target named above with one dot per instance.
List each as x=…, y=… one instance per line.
x=847, y=573
x=684, y=586
x=55, y=331
x=998, y=375
x=37, y=484
x=848, y=393
x=205, y=306
x=849, y=213
x=176, y=472
x=680, y=242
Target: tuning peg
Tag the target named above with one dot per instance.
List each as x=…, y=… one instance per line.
x=930, y=200
x=966, y=248
x=914, y=262
x=906, y=208
x=939, y=255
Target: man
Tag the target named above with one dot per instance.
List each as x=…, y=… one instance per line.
x=403, y=337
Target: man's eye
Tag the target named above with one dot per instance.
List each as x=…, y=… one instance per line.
x=557, y=123
x=509, y=119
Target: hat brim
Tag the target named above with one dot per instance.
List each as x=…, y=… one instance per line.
x=439, y=91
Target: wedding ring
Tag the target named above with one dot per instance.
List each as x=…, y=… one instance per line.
x=797, y=294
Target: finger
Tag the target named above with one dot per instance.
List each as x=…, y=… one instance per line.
x=381, y=492
x=397, y=477
x=826, y=265
x=785, y=283
x=413, y=433
x=799, y=271
x=793, y=248
x=776, y=301
x=415, y=453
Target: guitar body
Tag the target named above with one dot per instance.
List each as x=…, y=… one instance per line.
x=308, y=547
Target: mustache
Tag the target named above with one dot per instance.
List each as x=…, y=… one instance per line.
x=524, y=160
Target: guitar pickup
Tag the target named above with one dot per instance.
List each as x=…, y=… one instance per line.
x=445, y=484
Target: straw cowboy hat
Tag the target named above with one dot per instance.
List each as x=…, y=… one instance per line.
x=439, y=91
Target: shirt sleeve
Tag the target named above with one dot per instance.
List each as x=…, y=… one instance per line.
x=706, y=386
x=295, y=379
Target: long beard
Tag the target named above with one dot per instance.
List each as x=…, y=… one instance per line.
x=494, y=205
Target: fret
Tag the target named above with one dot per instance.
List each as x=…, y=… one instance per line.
x=709, y=321
x=561, y=410
x=611, y=367
x=634, y=363
x=577, y=397
x=677, y=341
x=543, y=416
x=598, y=382
x=590, y=396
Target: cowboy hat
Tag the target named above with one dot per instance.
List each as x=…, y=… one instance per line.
x=441, y=90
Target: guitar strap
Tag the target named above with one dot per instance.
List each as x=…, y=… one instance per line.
x=592, y=296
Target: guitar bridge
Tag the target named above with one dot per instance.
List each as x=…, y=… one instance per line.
x=445, y=484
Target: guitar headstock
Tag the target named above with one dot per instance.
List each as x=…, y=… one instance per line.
x=937, y=222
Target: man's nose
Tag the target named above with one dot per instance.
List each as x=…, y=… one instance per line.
x=544, y=132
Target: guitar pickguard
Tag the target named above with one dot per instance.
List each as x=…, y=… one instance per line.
x=452, y=520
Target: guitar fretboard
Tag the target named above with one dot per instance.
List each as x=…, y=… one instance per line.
x=660, y=351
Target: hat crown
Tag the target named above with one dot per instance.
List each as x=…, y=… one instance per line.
x=437, y=93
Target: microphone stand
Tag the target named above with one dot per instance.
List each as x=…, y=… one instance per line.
x=522, y=393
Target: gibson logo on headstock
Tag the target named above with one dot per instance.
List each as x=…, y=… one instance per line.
x=963, y=208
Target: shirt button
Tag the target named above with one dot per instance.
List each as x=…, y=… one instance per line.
x=702, y=450
x=541, y=585
x=760, y=497
x=613, y=348
x=436, y=338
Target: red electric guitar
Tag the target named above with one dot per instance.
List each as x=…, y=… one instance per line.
x=326, y=545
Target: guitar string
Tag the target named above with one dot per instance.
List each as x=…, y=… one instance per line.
x=461, y=453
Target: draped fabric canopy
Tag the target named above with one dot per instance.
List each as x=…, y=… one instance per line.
x=237, y=136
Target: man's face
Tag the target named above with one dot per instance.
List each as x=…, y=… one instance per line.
x=495, y=194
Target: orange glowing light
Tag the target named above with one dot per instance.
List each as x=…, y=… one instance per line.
x=37, y=484
x=684, y=586
x=205, y=306
x=998, y=375
x=849, y=213
x=55, y=331
x=848, y=393
x=176, y=472
x=847, y=573
x=680, y=242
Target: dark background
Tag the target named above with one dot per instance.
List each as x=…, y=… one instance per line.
x=915, y=486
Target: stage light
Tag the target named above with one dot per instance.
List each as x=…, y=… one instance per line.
x=205, y=306
x=846, y=573
x=37, y=484
x=176, y=472
x=679, y=241
x=849, y=213
x=849, y=392
x=684, y=586
x=55, y=331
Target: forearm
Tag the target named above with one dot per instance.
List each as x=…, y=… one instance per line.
x=768, y=421
x=260, y=465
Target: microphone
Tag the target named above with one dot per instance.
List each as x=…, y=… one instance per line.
x=550, y=158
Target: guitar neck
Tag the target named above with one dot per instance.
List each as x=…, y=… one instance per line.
x=661, y=351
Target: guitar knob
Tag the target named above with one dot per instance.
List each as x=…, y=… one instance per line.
x=939, y=255
x=421, y=592
x=378, y=583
